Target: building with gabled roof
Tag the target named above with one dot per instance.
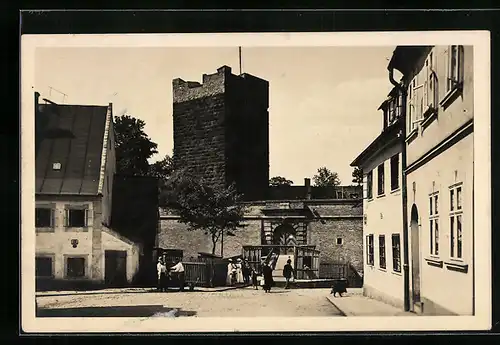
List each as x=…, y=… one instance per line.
x=380, y=162
x=75, y=168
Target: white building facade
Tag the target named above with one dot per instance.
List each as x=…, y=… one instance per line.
x=382, y=208
x=439, y=176
x=75, y=167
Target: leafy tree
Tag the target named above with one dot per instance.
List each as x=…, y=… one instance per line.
x=325, y=178
x=162, y=169
x=216, y=210
x=279, y=181
x=133, y=146
x=357, y=176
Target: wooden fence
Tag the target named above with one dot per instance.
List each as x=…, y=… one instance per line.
x=339, y=270
x=205, y=272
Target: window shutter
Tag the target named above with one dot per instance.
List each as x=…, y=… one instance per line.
x=66, y=217
x=460, y=62
x=418, y=103
x=52, y=217
x=440, y=64
x=425, y=95
x=409, y=106
x=86, y=220
x=367, y=250
x=365, y=187
x=448, y=68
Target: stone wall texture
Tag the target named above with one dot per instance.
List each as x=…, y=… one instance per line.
x=221, y=130
x=199, y=138
x=342, y=220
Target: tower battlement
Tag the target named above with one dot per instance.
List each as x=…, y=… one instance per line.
x=221, y=129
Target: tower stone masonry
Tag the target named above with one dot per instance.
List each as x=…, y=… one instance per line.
x=221, y=130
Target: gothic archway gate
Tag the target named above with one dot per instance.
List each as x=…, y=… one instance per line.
x=285, y=236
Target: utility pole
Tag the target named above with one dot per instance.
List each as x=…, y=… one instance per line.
x=239, y=54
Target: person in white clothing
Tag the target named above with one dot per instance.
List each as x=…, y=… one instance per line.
x=162, y=272
x=231, y=273
x=178, y=269
x=239, y=272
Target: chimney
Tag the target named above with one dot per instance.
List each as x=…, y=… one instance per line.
x=307, y=183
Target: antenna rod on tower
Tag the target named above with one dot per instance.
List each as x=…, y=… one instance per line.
x=239, y=52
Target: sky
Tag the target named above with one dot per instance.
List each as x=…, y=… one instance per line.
x=322, y=107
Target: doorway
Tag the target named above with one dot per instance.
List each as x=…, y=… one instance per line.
x=415, y=258
x=284, y=235
x=115, y=268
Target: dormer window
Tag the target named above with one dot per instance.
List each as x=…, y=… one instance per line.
x=394, y=108
x=56, y=166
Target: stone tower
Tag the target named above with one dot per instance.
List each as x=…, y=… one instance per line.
x=221, y=130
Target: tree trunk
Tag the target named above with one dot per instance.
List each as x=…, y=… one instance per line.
x=214, y=243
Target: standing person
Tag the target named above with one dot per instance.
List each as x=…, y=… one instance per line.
x=162, y=271
x=231, y=270
x=247, y=270
x=288, y=272
x=239, y=272
x=255, y=282
x=267, y=273
x=178, y=268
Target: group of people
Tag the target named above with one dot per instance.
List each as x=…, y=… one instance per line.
x=168, y=275
x=241, y=272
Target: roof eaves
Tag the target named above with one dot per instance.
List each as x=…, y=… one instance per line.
x=375, y=145
x=404, y=57
x=104, y=154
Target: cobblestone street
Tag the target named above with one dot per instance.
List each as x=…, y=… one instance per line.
x=232, y=303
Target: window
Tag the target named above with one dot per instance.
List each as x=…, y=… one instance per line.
x=434, y=224
x=43, y=266
x=392, y=109
x=416, y=102
x=44, y=217
x=369, y=183
x=395, y=172
x=410, y=106
x=339, y=241
x=456, y=221
x=76, y=217
x=369, y=250
x=455, y=61
x=430, y=99
x=381, y=251
x=380, y=171
x=75, y=267
x=396, y=253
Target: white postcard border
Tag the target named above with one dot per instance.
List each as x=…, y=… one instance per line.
x=482, y=186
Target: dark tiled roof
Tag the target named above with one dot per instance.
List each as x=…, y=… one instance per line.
x=71, y=135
